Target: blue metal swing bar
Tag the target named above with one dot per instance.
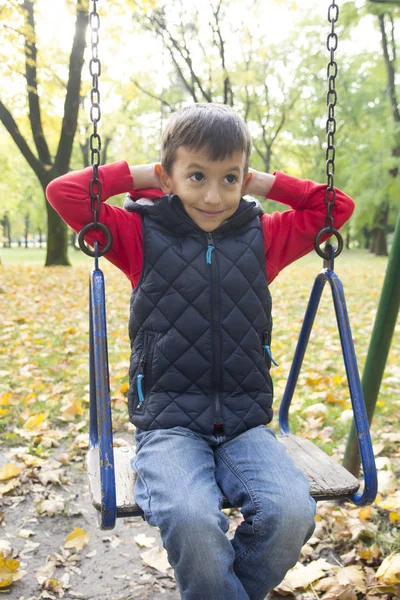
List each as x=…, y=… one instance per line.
x=100, y=421
x=369, y=492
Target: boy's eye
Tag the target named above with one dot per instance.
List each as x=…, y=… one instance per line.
x=197, y=176
x=231, y=178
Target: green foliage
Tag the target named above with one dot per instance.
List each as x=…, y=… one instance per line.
x=280, y=88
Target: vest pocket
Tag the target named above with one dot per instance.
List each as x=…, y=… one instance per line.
x=141, y=382
x=266, y=344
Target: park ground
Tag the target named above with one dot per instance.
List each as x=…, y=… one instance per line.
x=50, y=545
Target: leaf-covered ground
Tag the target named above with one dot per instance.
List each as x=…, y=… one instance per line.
x=50, y=546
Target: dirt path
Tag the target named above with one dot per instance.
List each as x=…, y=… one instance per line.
x=109, y=567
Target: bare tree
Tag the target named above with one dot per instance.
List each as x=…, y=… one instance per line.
x=41, y=162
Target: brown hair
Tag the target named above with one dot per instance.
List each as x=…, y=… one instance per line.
x=216, y=127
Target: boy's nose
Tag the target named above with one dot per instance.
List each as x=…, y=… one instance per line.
x=212, y=196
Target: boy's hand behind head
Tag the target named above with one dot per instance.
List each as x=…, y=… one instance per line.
x=146, y=176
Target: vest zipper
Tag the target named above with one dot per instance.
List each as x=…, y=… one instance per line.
x=216, y=330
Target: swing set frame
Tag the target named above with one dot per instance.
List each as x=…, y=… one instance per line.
x=111, y=478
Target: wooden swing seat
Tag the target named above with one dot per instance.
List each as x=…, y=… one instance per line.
x=328, y=480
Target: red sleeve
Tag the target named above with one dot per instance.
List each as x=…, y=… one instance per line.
x=289, y=235
x=69, y=196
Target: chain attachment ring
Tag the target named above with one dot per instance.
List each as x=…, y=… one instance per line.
x=96, y=226
x=331, y=232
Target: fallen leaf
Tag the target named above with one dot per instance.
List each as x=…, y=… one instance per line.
x=352, y=576
x=77, y=539
x=9, y=471
x=50, y=506
x=35, y=422
x=157, y=559
x=7, y=487
x=143, y=541
x=389, y=571
x=8, y=571
x=46, y=572
x=26, y=533
x=302, y=576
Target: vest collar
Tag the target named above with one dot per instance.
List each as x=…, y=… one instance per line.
x=169, y=212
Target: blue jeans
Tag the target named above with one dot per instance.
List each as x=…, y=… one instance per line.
x=180, y=478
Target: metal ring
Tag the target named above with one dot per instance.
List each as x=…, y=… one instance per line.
x=84, y=231
x=330, y=232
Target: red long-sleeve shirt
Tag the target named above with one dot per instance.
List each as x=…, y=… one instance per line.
x=287, y=235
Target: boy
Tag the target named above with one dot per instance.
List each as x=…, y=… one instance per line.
x=200, y=260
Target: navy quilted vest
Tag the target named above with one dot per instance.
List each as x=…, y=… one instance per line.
x=200, y=318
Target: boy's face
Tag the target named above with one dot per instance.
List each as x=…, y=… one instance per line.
x=210, y=190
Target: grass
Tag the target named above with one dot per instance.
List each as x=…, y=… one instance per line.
x=22, y=256
x=44, y=337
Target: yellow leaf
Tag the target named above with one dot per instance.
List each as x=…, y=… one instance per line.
x=8, y=570
x=331, y=399
x=29, y=399
x=72, y=409
x=365, y=554
x=35, y=421
x=77, y=539
x=389, y=571
x=5, y=399
x=365, y=513
x=9, y=471
x=124, y=387
x=3, y=412
x=394, y=516
x=392, y=502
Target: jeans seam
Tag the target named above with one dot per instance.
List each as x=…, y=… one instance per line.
x=227, y=461
x=150, y=513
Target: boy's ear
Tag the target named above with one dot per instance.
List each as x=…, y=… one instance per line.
x=165, y=180
x=246, y=182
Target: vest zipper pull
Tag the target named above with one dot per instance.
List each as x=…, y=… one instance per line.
x=268, y=349
x=140, y=378
x=210, y=248
x=139, y=381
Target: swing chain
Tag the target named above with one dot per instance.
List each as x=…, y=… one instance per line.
x=331, y=100
x=95, y=140
x=95, y=113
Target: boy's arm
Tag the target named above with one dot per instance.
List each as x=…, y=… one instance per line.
x=69, y=196
x=290, y=235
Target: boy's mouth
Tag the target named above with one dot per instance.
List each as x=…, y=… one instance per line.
x=209, y=213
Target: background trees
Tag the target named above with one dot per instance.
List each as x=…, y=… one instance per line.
x=171, y=53
x=44, y=163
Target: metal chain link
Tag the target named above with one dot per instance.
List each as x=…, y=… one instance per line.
x=331, y=100
x=95, y=113
x=95, y=139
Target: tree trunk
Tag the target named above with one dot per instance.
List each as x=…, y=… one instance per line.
x=57, y=239
x=379, y=245
x=379, y=242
